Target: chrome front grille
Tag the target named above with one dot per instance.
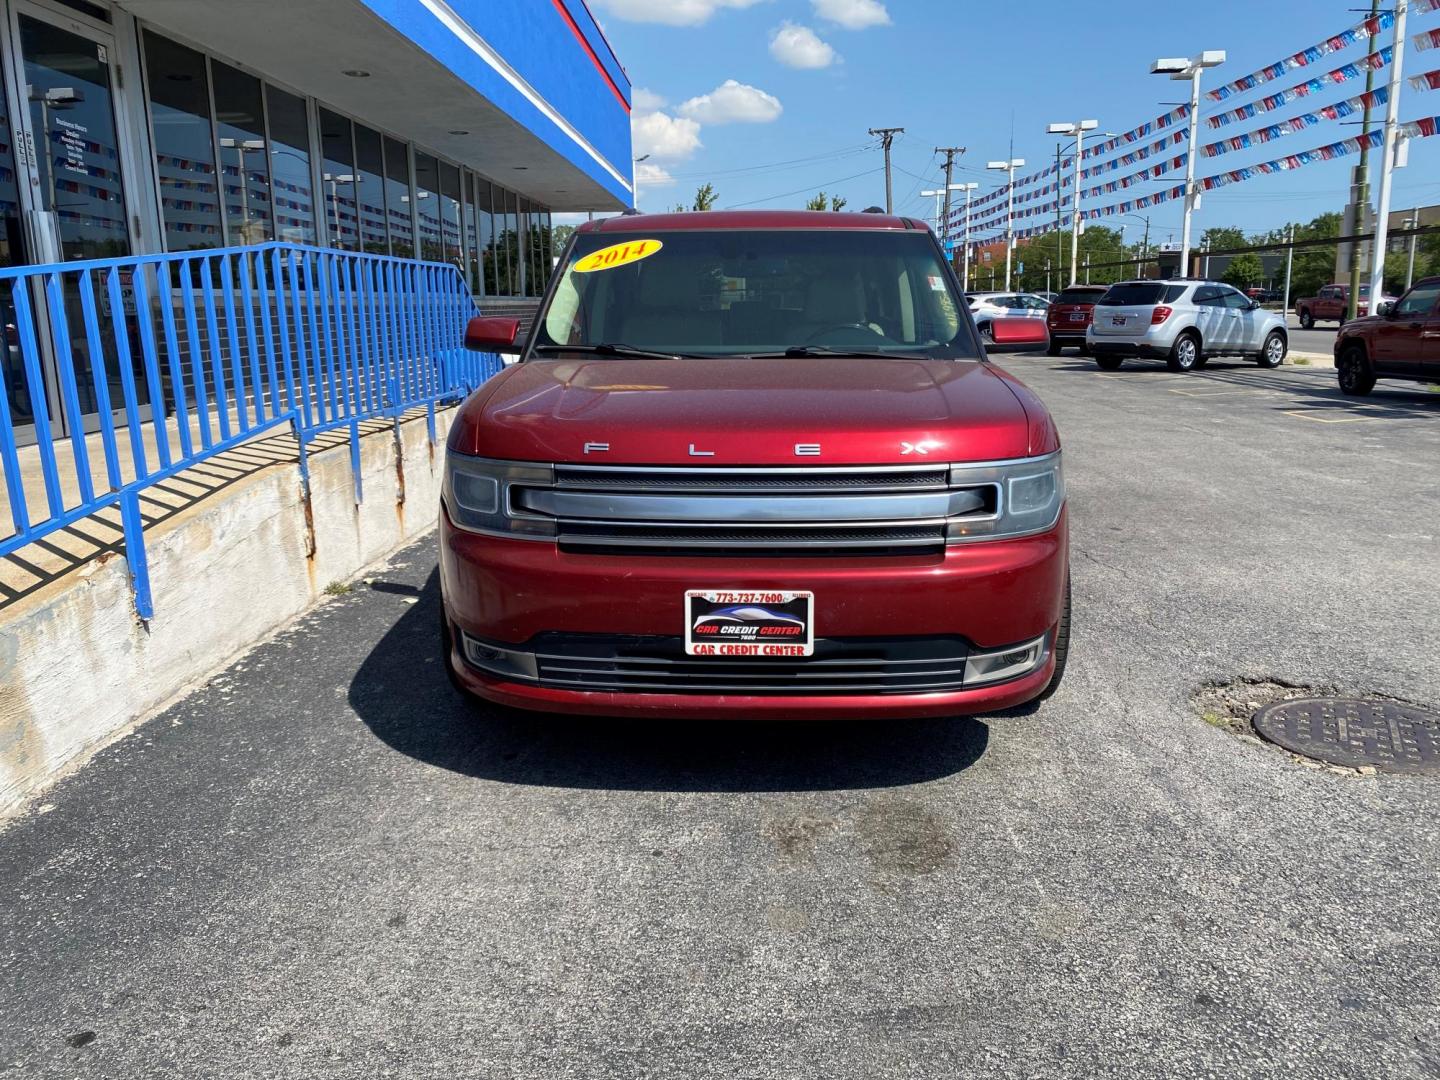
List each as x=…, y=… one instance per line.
x=760, y=511
x=841, y=666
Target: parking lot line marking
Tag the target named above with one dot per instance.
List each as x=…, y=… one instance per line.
x=1212, y=393
x=1308, y=414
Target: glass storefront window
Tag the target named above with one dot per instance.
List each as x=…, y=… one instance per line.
x=370, y=189
x=337, y=174
x=450, y=214
x=508, y=225
x=427, y=207
x=294, y=197
x=397, y=199
x=184, y=155
x=489, y=252
x=472, y=233
x=244, y=165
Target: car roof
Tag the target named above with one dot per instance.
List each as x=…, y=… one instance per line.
x=1086, y=288
x=753, y=219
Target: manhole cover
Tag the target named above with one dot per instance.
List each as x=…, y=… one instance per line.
x=1355, y=732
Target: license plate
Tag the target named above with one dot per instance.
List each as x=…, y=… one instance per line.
x=721, y=623
x=1076, y=316
x=1117, y=320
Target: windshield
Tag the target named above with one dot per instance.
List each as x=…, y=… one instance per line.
x=714, y=292
x=1080, y=296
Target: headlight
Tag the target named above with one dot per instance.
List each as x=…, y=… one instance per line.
x=1028, y=497
x=477, y=495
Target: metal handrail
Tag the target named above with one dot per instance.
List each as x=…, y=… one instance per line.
x=231, y=342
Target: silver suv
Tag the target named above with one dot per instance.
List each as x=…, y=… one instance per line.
x=1183, y=322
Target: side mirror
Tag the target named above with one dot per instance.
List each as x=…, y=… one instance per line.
x=1385, y=308
x=492, y=334
x=1019, y=331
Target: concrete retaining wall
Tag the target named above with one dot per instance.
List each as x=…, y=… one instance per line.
x=77, y=669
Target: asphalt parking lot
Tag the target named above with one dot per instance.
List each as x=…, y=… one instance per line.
x=322, y=864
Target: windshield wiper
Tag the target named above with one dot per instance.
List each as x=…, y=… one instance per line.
x=615, y=348
x=799, y=352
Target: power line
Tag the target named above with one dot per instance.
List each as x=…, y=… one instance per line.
x=798, y=191
x=887, y=137
x=835, y=155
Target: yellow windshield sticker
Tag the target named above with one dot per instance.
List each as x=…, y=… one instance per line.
x=617, y=255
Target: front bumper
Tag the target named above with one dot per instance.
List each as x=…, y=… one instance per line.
x=991, y=594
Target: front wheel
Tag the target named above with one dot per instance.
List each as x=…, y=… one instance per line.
x=1185, y=353
x=1052, y=349
x=1353, y=370
x=1307, y=321
x=1109, y=363
x=987, y=334
x=1272, y=354
x=1062, y=647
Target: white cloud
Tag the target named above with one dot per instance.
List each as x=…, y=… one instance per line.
x=649, y=176
x=664, y=136
x=800, y=47
x=646, y=100
x=732, y=103
x=670, y=12
x=852, y=14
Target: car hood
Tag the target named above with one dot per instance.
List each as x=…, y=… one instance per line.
x=746, y=412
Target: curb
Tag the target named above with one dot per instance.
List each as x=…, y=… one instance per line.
x=1312, y=360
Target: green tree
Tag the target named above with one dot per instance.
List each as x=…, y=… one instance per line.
x=1244, y=271
x=817, y=202
x=837, y=203
x=705, y=197
x=1223, y=237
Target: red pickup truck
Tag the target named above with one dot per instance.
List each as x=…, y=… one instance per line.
x=1401, y=342
x=753, y=464
x=1331, y=303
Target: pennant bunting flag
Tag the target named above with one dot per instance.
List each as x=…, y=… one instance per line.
x=1173, y=139
x=1424, y=7
x=1299, y=123
x=1373, y=62
x=1361, y=31
x=1160, y=123
x=1430, y=39
x=1429, y=81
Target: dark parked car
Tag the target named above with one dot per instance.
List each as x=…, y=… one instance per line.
x=1069, y=317
x=1401, y=342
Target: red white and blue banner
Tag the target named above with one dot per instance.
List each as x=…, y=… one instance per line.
x=1430, y=39
x=1160, y=123
x=1337, y=111
x=1373, y=62
x=1361, y=31
x=1424, y=7
x=1429, y=81
x=1173, y=139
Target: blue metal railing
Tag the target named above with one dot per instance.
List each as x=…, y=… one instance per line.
x=173, y=359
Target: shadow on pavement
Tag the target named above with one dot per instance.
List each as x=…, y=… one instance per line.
x=400, y=691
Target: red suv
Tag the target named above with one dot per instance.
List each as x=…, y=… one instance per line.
x=1331, y=303
x=1069, y=317
x=753, y=464
x=1402, y=342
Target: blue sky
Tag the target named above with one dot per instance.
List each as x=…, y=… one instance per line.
x=813, y=75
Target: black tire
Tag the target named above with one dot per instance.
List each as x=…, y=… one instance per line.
x=1108, y=363
x=1185, y=353
x=1203, y=361
x=1272, y=353
x=1084, y=348
x=1353, y=372
x=1062, y=647
x=1307, y=321
x=1053, y=349
x=447, y=647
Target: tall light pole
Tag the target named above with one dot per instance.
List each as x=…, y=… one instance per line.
x=1289, y=263
x=1078, y=130
x=942, y=211
x=1180, y=70
x=1387, y=160
x=1412, y=222
x=1008, y=167
x=965, y=273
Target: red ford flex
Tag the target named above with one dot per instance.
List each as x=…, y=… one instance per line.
x=753, y=464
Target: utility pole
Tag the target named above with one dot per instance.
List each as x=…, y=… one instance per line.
x=1361, y=193
x=1145, y=250
x=1387, y=160
x=1289, y=262
x=950, y=152
x=887, y=136
x=1414, y=223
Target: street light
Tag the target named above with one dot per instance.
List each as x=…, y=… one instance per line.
x=333, y=179
x=1009, y=168
x=1387, y=160
x=1179, y=70
x=965, y=262
x=1077, y=129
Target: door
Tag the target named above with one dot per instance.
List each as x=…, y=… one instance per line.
x=1400, y=345
x=1213, y=319
x=72, y=182
x=1246, y=321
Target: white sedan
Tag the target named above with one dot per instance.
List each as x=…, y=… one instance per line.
x=1000, y=305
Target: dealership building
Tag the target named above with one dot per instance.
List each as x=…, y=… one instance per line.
x=418, y=128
